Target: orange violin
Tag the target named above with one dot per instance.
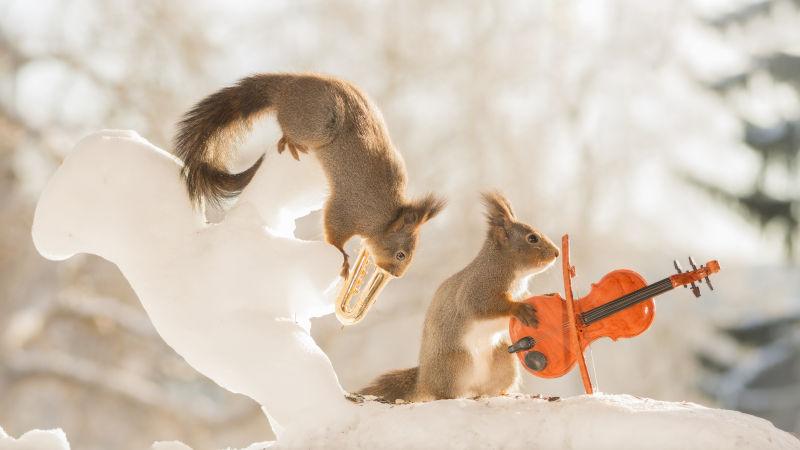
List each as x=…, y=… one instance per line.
x=620, y=305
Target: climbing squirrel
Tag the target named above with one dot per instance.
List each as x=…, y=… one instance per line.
x=335, y=121
x=464, y=350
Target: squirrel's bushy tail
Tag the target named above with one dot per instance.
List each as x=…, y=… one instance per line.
x=397, y=384
x=206, y=135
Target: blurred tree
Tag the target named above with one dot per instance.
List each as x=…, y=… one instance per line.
x=777, y=145
x=77, y=349
x=764, y=375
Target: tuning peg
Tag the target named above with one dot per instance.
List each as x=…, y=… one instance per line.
x=695, y=288
x=708, y=282
x=678, y=268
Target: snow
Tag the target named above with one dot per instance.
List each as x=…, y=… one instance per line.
x=35, y=440
x=594, y=422
x=583, y=422
x=235, y=299
x=212, y=291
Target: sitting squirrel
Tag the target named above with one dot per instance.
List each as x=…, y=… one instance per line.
x=463, y=352
x=335, y=120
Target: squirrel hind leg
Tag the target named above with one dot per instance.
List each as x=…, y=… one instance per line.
x=338, y=229
x=311, y=111
x=504, y=372
x=345, y=265
x=446, y=376
x=339, y=244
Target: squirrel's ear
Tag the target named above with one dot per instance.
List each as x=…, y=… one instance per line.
x=498, y=209
x=499, y=214
x=417, y=212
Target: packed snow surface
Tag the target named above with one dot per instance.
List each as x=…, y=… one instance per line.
x=594, y=422
x=235, y=298
x=584, y=422
x=35, y=440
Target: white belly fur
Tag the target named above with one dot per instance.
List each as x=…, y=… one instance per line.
x=480, y=340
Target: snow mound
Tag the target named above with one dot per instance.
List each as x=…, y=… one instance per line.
x=592, y=422
x=585, y=422
x=234, y=298
x=35, y=440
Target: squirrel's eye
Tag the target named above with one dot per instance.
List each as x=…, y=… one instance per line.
x=400, y=256
x=532, y=238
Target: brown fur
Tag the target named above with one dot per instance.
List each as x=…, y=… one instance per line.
x=335, y=121
x=480, y=292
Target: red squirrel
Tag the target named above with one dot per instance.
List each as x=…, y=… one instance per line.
x=337, y=123
x=464, y=350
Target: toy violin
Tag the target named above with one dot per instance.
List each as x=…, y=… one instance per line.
x=620, y=305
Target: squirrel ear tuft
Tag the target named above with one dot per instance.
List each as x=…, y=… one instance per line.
x=417, y=212
x=428, y=207
x=498, y=209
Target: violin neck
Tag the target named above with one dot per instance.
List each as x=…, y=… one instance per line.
x=626, y=301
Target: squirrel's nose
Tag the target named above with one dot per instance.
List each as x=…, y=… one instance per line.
x=555, y=251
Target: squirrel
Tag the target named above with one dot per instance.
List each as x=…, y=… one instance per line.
x=463, y=351
x=335, y=121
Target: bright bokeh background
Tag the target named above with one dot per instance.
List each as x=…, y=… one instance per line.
x=597, y=118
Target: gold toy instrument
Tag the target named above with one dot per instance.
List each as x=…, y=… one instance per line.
x=350, y=312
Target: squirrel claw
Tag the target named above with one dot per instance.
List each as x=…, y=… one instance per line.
x=345, y=262
x=294, y=149
x=282, y=144
x=526, y=314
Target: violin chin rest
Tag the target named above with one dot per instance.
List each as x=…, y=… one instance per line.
x=536, y=361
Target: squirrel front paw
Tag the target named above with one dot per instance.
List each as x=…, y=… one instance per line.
x=284, y=143
x=526, y=314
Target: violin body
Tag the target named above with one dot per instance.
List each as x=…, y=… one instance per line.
x=620, y=305
x=553, y=334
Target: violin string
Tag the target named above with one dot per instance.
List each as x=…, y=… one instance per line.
x=607, y=310
x=626, y=301
x=613, y=307
x=589, y=318
x=655, y=289
x=601, y=310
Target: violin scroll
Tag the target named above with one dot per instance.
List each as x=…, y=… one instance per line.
x=697, y=274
